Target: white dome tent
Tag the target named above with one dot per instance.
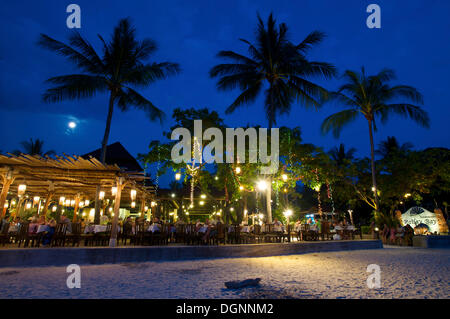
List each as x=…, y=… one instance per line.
x=418, y=215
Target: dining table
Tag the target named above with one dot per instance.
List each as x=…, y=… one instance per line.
x=95, y=229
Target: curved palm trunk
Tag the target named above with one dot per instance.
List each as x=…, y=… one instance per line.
x=103, y=154
x=269, y=181
x=372, y=159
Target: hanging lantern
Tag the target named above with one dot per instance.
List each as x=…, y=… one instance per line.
x=133, y=204
x=28, y=205
x=81, y=204
x=101, y=195
x=114, y=190
x=21, y=189
x=67, y=202
x=202, y=202
x=284, y=177
x=177, y=176
x=241, y=188
x=62, y=199
x=54, y=208
x=86, y=202
x=203, y=196
x=72, y=202
x=13, y=202
x=145, y=208
x=153, y=204
x=238, y=170
x=6, y=204
x=35, y=200
x=110, y=209
x=133, y=194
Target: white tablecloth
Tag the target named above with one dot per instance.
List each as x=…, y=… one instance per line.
x=153, y=228
x=245, y=229
x=94, y=229
x=13, y=228
x=203, y=229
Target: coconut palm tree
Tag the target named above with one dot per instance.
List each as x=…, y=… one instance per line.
x=34, y=147
x=391, y=146
x=118, y=71
x=277, y=67
x=340, y=155
x=372, y=97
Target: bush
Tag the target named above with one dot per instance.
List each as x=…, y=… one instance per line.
x=365, y=229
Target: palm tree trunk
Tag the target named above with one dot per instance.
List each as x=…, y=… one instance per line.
x=103, y=155
x=269, y=181
x=107, y=128
x=372, y=159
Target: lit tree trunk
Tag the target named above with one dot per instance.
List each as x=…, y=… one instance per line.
x=269, y=200
x=115, y=222
x=103, y=154
x=372, y=159
x=48, y=198
x=8, y=179
x=76, y=208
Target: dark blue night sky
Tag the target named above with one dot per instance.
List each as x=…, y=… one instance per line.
x=413, y=40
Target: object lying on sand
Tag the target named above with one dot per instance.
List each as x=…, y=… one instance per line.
x=243, y=283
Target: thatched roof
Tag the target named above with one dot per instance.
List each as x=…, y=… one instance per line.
x=118, y=155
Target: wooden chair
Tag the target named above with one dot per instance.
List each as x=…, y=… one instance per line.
x=4, y=235
x=59, y=237
x=180, y=233
x=102, y=238
x=192, y=236
x=220, y=236
x=139, y=233
x=304, y=232
x=162, y=236
x=286, y=236
x=270, y=235
x=234, y=236
x=75, y=236
x=127, y=233
x=21, y=234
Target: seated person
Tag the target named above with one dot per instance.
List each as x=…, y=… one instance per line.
x=297, y=225
x=33, y=226
x=127, y=226
x=49, y=233
x=41, y=220
x=65, y=220
x=277, y=225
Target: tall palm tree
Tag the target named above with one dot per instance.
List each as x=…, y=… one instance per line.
x=118, y=71
x=391, y=146
x=276, y=66
x=371, y=97
x=34, y=147
x=340, y=155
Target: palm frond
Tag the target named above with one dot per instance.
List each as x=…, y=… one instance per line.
x=245, y=97
x=129, y=97
x=74, y=86
x=337, y=121
x=311, y=39
x=81, y=61
x=413, y=112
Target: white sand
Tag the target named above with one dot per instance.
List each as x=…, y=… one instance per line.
x=405, y=273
